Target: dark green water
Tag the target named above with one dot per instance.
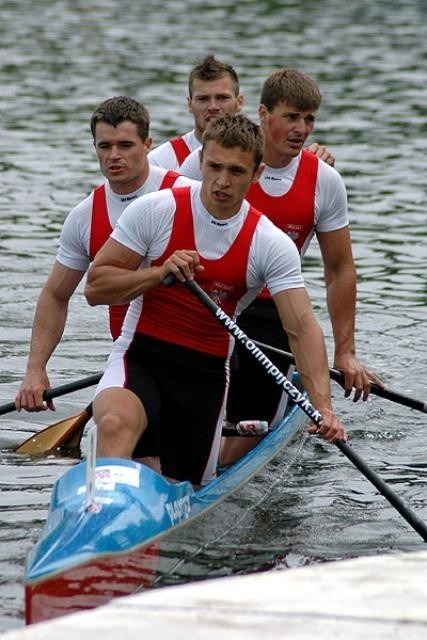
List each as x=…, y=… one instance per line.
x=60, y=58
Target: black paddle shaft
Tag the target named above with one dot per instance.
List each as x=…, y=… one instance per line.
x=376, y=389
x=301, y=400
x=61, y=390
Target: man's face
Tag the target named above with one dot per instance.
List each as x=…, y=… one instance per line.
x=122, y=155
x=227, y=175
x=286, y=129
x=212, y=99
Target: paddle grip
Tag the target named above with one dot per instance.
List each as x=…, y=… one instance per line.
x=169, y=280
x=61, y=390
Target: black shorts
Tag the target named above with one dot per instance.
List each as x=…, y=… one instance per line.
x=183, y=392
x=253, y=394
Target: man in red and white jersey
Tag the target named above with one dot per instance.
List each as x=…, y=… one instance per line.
x=302, y=196
x=213, y=91
x=120, y=129
x=168, y=370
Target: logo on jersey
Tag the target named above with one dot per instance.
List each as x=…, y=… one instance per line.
x=218, y=223
x=293, y=231
x=219, y=292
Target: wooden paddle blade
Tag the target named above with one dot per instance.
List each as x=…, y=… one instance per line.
x=66, y=433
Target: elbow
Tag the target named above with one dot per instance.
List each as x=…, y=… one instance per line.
x=93, y=288
x=90, y=295
x=88, y=290
x=91, y=292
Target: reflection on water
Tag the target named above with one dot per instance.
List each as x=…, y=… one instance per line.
x=369, y=58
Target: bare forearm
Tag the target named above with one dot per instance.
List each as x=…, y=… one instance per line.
x=312, y=364
x=48, y=326
x=340, y=280
x=307, y=343
x=341, y=300
x=114, y=285
x=308, y=346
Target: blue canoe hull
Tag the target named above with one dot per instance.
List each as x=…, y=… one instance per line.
x=84, y=558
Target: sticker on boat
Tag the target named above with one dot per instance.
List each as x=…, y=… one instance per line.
x=107, y=477
x=178, y=509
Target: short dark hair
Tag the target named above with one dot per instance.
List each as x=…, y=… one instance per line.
x=118, y=109
x=292, y=86
x=208, y=69
x=236, y=131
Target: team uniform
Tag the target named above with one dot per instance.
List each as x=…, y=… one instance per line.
x=90, y=223
x=172, y=353
x=191, y=165
x=305, y=197
x=171, y=154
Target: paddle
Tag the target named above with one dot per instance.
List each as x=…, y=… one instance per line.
x=338, y=376
x=55, y=392
x=66, y=433
x=304, y=404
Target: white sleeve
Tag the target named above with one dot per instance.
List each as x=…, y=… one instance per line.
x=274, y=259
x=164, y=156
x=191, y=166
x=183, y=181
x=331, y=200
x=73, y=251
x=145, y=225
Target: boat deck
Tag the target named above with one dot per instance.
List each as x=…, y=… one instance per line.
x=379, y=597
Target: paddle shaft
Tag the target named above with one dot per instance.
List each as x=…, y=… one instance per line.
x=338, y=376
x=305, y=405
x=61, y=390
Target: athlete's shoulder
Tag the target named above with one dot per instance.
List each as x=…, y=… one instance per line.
x=163, y=156
x=81, y=210
x=326, y=172
x=168, y=147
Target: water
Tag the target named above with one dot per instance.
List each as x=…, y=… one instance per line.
x=61, y=58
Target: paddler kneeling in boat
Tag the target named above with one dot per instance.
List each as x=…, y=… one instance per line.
x=167, y=375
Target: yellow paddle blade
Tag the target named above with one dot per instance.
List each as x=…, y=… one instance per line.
x=66, y=433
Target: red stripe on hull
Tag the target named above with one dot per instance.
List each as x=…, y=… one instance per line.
x=91, y=585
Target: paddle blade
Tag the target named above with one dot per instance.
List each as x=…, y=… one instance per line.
x=66, y=433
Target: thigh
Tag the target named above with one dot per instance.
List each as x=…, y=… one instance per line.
x=127, y=369
x=126, y=372
x=191, y=420
x=141, y=379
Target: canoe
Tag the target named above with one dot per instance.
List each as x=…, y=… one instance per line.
x=87, y=556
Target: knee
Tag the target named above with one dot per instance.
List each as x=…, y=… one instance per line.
x=118, y=434
x=121, y=420
x=111, y=425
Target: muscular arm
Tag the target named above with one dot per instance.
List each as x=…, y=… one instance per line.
x=308, y=346
x=48, y=326
x=340, y=280
x=115, y=277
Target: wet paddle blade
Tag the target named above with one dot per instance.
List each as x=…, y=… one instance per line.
x=66, y=434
